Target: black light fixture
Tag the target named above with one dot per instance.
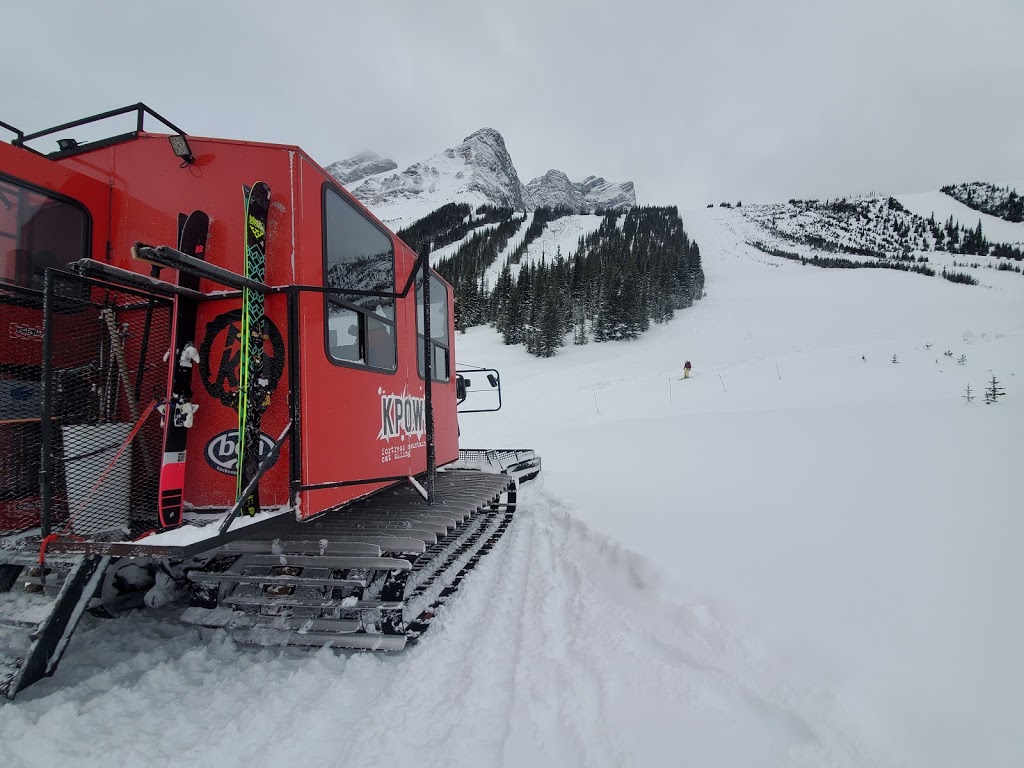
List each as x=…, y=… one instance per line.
x=65, y=144
x=180, y=147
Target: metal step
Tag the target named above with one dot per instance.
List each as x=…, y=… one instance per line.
x=338, y=544
x=290, y=548
x=331, y=562
x=37, y=619
x=402, y=527
x=239, y=620
x=298, y=602
x=365, y=641
x=385, y=563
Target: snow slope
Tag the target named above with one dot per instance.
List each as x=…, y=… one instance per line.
x=799, y=557
x=996, y=230
x=561, y=235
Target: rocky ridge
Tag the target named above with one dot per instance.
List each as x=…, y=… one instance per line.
x=478, y=170
x=360, y=166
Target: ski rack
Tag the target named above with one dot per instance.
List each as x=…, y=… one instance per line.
x=140, y=110
x=171, y=258
x=116, y=275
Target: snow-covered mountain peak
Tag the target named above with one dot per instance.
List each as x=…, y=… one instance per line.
x=477, y=171
x=555, y=190
x=610, y=195
x=482, y=147
x=492, y=172
x=360, y=166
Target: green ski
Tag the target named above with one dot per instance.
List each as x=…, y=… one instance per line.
x=252, y=388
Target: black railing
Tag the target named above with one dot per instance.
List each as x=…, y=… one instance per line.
x=19, y=135
x=103, y=396
x=140, y=110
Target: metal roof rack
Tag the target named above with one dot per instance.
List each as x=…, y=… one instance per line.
x=72, y=147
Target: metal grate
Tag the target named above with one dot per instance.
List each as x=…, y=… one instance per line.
x=21, y=331
x=103, y=376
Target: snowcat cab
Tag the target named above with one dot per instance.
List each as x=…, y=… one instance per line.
x=194, y=327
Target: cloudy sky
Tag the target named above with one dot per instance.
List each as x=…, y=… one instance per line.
x=693, y=101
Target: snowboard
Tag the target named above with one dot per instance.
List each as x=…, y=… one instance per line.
x=178, y=409
x=253, y=391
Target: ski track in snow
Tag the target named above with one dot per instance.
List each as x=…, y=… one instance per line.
x=514, y=672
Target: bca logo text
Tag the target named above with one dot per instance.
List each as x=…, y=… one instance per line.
x=222, y=450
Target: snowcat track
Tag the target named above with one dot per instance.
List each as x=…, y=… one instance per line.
x=369, y=576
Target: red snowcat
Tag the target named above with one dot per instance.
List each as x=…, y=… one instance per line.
x=194, y=328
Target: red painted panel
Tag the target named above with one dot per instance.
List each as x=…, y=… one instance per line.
x=350, y=427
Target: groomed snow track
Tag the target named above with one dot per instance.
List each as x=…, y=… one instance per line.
x=369, y=576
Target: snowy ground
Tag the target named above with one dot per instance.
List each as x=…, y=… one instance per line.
x=801, y=556
x=943, y=206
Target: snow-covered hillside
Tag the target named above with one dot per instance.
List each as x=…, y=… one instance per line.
x=1002, y=201
x=805, y=555
x=943, y=206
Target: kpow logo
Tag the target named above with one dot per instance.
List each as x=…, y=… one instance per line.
x=400, y=415
x=222, y=451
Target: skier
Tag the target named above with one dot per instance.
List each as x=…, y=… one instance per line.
x=686, y=370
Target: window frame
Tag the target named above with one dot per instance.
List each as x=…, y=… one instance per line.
x=362, y=313
x=77, y=205
x=439, y=282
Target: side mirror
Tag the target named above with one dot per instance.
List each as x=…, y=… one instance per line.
x=491, y=397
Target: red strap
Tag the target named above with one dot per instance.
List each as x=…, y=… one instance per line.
x=113, y=461
x=50, y=539
x=44, y=544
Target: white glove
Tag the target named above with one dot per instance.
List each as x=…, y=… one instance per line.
x=188, y=356
x=185, y=415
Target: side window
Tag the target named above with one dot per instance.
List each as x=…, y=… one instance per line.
x=37, y=231
x=360, y=257
x=439, y=341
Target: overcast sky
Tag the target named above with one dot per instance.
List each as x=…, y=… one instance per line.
x=693, y=101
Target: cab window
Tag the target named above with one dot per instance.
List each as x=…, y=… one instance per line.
x=439, y=341
x=361, y=257
x=37, y=230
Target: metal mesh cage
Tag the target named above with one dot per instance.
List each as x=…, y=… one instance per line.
x=21, y=330
x=103, y=376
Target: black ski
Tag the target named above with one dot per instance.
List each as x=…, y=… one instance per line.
x=178, y=409
x=253, y=392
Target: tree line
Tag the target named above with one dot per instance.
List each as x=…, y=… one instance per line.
x=1003, y=202
x=633, y=270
